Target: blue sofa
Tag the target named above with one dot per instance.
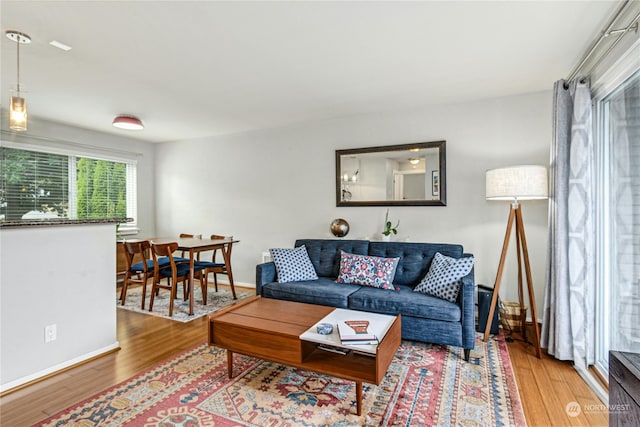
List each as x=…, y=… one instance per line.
x=424, y=318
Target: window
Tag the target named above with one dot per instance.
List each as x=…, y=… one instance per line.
x=37, y=184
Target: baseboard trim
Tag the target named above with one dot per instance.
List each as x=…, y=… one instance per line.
x=235, y=283
x=23, y=382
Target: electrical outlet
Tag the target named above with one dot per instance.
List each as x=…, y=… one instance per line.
x=50, y=333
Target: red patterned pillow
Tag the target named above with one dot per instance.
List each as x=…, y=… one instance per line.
x=367, y=270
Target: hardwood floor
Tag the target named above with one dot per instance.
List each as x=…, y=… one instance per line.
x=549, y=386
x=546, y=386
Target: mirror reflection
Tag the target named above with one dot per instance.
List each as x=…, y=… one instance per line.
x=408, y=174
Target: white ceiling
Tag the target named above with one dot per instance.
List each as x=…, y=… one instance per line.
x=201, y=68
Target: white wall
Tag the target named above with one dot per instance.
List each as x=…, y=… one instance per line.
x=269, y=187
x=63, y=276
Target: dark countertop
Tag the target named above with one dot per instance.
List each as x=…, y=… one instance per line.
x=49, y=222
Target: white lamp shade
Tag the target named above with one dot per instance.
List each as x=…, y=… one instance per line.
x=527, y=182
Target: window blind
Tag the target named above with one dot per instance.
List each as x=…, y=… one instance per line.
x=36, y=184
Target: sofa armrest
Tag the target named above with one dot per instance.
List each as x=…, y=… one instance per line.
x=468, y=309
x=265, y=273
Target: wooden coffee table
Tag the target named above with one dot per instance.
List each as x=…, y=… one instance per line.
x=270, y=329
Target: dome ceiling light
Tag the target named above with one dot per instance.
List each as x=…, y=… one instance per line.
x=128, y=122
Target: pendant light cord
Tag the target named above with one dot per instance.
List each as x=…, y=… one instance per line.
x=18, y=72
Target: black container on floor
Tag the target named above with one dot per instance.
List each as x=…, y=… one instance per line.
x=485, y=293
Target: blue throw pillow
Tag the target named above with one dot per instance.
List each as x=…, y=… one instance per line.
x=443, y=279
x=293, y=265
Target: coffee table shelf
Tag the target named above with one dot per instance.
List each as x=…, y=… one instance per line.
x=351, y=366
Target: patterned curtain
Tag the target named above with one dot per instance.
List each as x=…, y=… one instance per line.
x=568, y=322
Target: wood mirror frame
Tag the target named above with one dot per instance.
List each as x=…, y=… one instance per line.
x=375, y=176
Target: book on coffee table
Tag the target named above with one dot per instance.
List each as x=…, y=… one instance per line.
x=356, y=332
x=378, y=326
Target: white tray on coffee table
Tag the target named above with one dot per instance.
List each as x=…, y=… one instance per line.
x=379, y=324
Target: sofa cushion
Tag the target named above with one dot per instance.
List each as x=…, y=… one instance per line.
x=415, y=258
x=367, y=270
x=443, y=278
x=325, y=254
x=293, y=265
x=405, y=302
x=323, y=291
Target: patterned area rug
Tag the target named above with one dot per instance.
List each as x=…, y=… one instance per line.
x=215, y=301
x=426, y=385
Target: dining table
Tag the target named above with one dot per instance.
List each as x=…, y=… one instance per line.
x=193, y=246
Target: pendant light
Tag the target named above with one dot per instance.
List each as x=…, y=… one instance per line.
x=18, y=105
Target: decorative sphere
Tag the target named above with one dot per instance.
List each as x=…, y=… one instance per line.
x=339, y=227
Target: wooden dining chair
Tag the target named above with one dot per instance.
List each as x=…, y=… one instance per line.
x=215, y=266
x=190, y=236
x=139, y=267
x=193, y=236
x=174, y=272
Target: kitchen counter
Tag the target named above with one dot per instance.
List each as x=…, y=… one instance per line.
x=48, y=222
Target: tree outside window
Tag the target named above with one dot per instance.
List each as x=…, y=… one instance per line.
x=101, y=189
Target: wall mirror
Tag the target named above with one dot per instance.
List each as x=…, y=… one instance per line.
x=392, y=175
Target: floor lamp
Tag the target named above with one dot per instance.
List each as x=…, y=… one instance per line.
x=515, y=184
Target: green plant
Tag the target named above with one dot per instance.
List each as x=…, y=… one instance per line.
x=388, y=228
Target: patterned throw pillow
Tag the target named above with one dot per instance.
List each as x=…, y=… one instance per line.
x=443, y=279
x=293, y=265
x=367, y=270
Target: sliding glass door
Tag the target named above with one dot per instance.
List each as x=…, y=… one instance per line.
x=618, y=304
